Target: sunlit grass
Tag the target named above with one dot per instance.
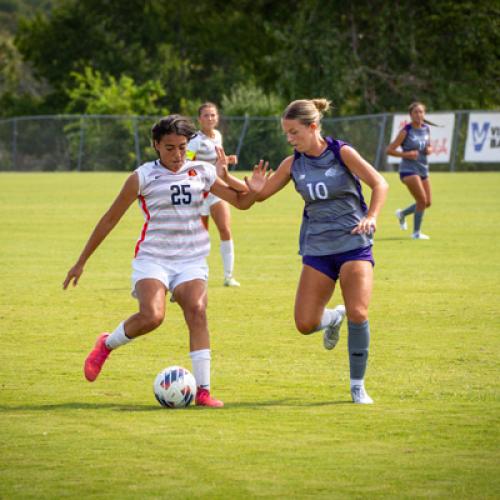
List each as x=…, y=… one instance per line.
x=288, y=429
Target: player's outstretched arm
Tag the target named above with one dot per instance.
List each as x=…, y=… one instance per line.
x=254, y=184
x=221, y=166
x=108, y=221
x=277, y=180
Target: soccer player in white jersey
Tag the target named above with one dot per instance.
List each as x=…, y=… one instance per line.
x=203, y=147
x=171, y=252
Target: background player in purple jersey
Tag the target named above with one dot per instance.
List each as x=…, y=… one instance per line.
x=336, y=232
x=172, y=248
x=414, y=140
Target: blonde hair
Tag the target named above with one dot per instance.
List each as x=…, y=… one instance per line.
x=306, y=111
x=207, y=104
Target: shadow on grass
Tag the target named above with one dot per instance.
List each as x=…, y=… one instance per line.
x=393, y=238
x=152, y=407
x=81, y=406
x=285, y=402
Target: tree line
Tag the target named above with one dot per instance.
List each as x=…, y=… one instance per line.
x=248, y=56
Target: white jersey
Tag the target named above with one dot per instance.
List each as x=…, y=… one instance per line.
x=201, y=147
x=171, y=203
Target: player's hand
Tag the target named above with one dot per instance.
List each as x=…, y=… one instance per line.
x=367, y=225
x=232, y=160
x=221, y=164
x=259, y=177
x=73, y=275
x=411, y=155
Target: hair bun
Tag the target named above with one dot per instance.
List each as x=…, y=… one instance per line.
x=321, y=104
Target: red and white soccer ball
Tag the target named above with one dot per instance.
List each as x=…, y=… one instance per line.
x=175, y=387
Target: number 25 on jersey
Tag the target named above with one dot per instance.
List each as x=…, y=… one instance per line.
x=180, y=194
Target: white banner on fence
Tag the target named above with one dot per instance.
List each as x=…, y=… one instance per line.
x=441, y=136
x=483, y=138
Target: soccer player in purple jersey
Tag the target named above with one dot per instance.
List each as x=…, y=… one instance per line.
x=414, y=140
x=173, y=245
x=336, y=232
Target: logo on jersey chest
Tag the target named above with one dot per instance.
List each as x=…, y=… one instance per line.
x=331, y=172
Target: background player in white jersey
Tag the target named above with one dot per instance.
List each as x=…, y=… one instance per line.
x=202, y=147
x=336, y=232
x=414, y=139
x=171, y=251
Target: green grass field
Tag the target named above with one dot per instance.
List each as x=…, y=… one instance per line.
x=288, y=429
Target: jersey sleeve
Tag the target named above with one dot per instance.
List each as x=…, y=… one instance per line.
x=142, y=176
x=210, y=175
x=192, y=148
x=218, y=138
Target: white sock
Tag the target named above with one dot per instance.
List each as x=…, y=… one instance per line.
x=117, y=338
x=360, y=382
x=328, y=317
x=201, y=367
x=227, y=254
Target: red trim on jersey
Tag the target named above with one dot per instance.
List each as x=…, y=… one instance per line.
x=142, y=201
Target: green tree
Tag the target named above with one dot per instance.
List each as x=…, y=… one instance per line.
x=93, y=93
x=249, y=99
x=101, y=138
x=372, y=56
x=367, y=56
x=197, y=50
x=20, y=92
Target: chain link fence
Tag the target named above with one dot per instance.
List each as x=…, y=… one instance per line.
x=112, y=142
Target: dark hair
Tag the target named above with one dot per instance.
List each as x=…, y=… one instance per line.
x=173, y=124
x=207, y=104
x=413, y=105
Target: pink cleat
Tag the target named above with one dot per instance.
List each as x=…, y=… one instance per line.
x=203, y=398
x=96, y=358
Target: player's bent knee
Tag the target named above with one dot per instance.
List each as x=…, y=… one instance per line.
x=196, y=310
x=151, y=321
x=304, y=327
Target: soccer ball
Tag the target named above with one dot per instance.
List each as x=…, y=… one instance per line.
x=175, y=387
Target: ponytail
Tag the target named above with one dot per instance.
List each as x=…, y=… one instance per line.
x=431, y=123
x=413, y=105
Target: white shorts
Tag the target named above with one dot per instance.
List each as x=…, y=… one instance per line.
x=171, y=273
x=210, y=200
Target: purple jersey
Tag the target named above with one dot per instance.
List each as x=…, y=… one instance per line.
x=334, y=204
x=416, y=139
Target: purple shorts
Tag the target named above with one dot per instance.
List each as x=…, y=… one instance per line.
x=407, y=174
x=331, y=264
